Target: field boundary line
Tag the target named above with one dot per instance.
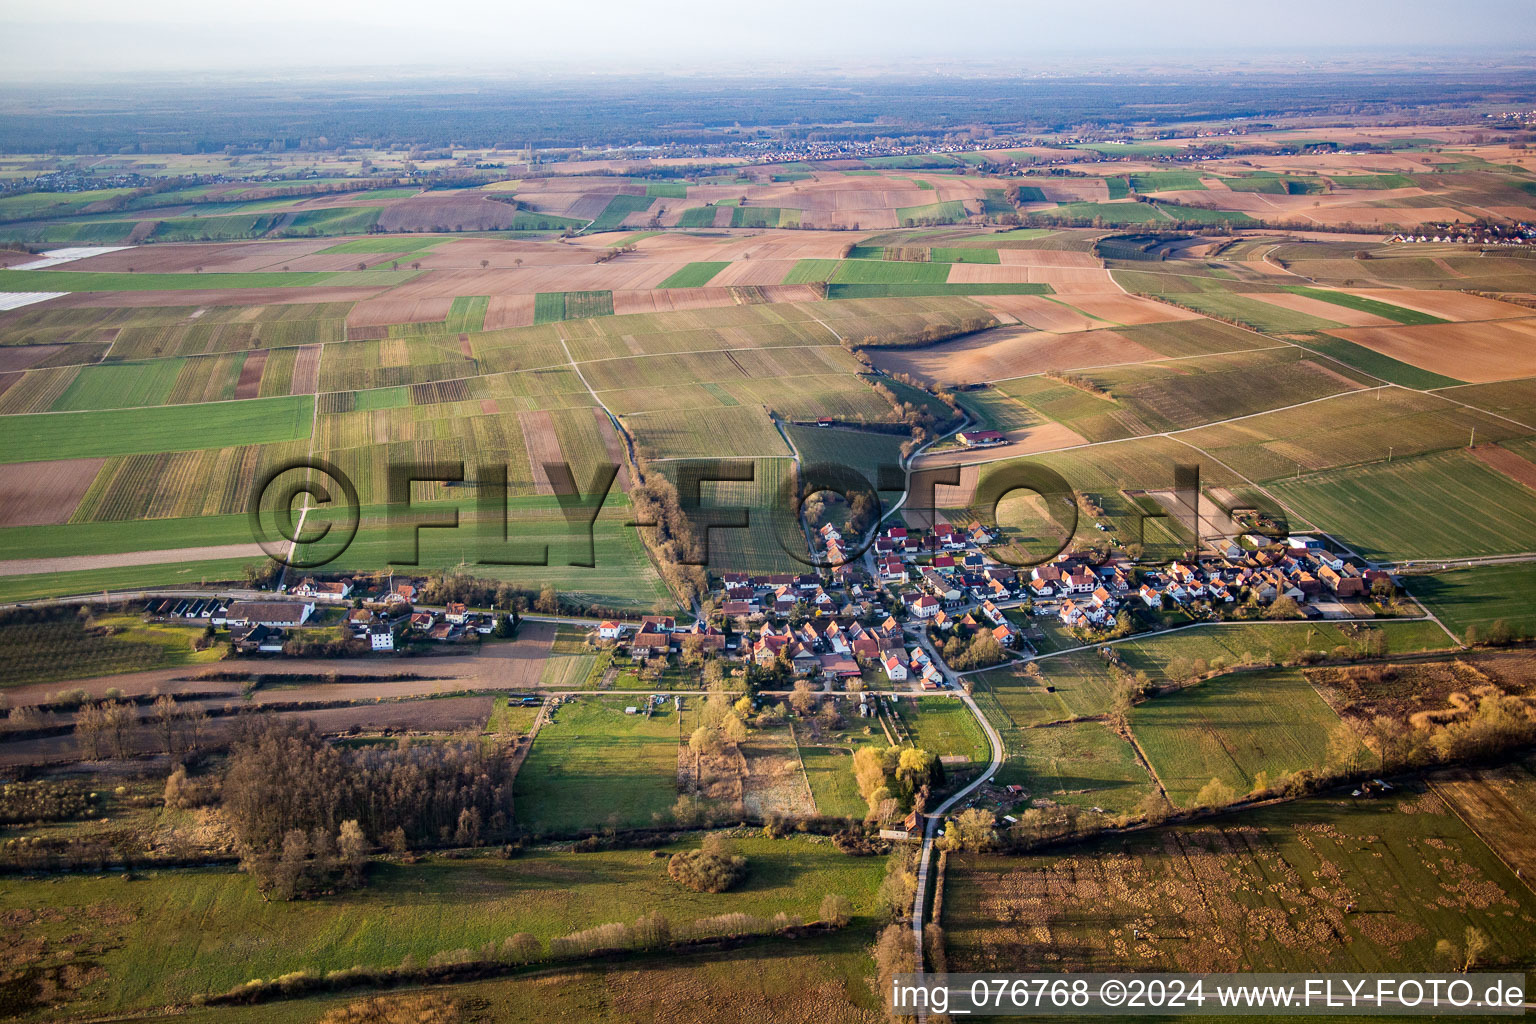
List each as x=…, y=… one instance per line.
x=1135, y=362
x=1473, y=829
x=800, y=759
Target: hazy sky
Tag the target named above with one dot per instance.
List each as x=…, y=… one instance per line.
x=61, y=39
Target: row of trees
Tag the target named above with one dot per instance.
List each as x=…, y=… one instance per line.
x=671, y=539
x=112, y=727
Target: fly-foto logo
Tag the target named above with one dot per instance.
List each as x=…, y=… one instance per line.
x=307, y=513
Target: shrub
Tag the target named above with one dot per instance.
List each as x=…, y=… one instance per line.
x=710, y=869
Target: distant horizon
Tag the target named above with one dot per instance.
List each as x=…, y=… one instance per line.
x=85, y=40
x=1107, y=64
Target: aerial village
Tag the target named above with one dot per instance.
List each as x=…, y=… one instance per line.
x=915, y=610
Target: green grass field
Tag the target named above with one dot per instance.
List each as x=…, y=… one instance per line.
x=70, y=435
x=1233, y=728
x=667, y=189
x=1433, y=506
x=944, y=726
x=209, y=930
x=1167, y=181
x=1393, y=371
x=829, y=770
x=551, y=307
x=1479, y=597
x=570, y=660
x=594, y=766
x=618, y=208
x=694, y=275
x=120, y=386
x=1081, y=763
x=697, y=217
x=949, y=212
x=1365, y=305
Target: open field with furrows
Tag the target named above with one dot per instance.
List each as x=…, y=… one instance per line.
x=729, y=432
x=771, y=541
x=1327, y=883
x=1367, y=426
x=1185, y=393
x=1412, y=268
x=1479, y=597
x=1474, y=352
x=230, y=934
x=593, y=766
x=139, y=332
x=1236, y=728
x=87, y=281
x=1437, y=506
x=570, y=660
x=163, y=429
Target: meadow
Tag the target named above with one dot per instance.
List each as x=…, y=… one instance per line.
x=209, y=929
x=1478, y=597
x=594, y=766
x=829, y=770
x=944, y=726
x=819, y=977
x=1233, y=728
x=1080, y=763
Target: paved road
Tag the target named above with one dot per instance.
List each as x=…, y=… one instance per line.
x=936, y=816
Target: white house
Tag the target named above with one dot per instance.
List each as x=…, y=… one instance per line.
x=610, y=630
x=381, y=638
x=895, y=670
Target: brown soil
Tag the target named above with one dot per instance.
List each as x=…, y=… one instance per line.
x=44, y=493
x=1474, y=352
x=1007, y=352
x=306, y=371
x=249, y=383
x=1516, y=467
x=543, y=447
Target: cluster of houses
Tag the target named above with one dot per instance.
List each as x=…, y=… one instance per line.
x=382, y=622
x=1519, y=234
x=383, y=626
x=658, y=636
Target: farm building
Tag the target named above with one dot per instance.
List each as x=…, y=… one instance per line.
x=269, y=613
